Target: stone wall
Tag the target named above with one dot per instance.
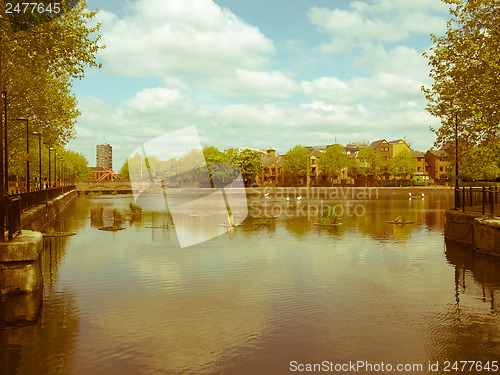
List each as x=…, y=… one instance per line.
x=37, y=217
x=480, y=232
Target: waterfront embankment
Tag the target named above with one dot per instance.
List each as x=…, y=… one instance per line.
x=481, y=232
x=20, y=258
x=38, y=217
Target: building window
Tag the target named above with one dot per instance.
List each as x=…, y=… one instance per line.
x=440, y=168
x=387, y=157
x=384, y=149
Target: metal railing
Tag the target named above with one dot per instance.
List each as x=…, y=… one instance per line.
x=17, y=203
x=13, y=216
x=34, y=198
x=484, y=200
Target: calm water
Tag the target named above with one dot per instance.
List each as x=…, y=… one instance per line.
x=255, y=299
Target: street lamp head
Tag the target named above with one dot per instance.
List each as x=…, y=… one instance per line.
x=22, y=119
x=51, y=149
x=36, y=133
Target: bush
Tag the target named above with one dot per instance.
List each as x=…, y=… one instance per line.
x=418, y=181
x=96, y=212
x=117, y=215
x=135, y=209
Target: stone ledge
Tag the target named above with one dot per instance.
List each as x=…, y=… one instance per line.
x=24, y=247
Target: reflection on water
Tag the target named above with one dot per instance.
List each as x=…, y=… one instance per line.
x=271, y=291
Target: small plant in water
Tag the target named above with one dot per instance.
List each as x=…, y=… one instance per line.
x=117, y=215
x=96, y=212
x=328, y=217
x=135, y=209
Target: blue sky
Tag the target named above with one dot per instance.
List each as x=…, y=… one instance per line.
x=259, y=74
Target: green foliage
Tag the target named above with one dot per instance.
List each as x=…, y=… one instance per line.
x=479, y=163
x=247, y=160
x=117, y=215
x=220, y=169
x=134, y=209
x=402, y=164
x=417, y=181
x=96, y=212
x=123, y=173
x=369, y=163
x=75, y=165
x=38, y=66
x=190, y=167
x=296, y=162
x=328, y=216
x=464, y=66
x=333, y=161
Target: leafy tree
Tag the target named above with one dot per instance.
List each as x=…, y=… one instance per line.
x=247, y=160
x=369, y=162
x=38, y=67
x=465, y=66
x=296, y=162
x=402, y=164
x=124, y=171
x=333, y=161
x=479, y=163
x=76, y=165
x=221, y=171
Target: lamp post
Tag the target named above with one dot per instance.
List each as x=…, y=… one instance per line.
x=39, y=159
x=55, y=168
x=457, y=191
x=5, y=147
x=60, y=169
x=27, y=157
x=50, y=149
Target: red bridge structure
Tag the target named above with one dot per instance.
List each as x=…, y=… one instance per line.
x=102, y=175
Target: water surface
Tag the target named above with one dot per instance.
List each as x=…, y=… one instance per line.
x=251, y=301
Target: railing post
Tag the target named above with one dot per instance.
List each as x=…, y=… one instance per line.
x=484, y=200
x=470, y=195
x=457, y=198
x=463, y=199
x=492, y=204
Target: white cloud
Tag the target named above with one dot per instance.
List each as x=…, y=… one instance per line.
x=260, y=85
x=160, y=102
x=381, y=21
x=381, y=88
x=164, y=38
x=350, y=24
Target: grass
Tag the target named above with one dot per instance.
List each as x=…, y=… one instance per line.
x=135, y=209
x=328, y=217
x=117, y=215
x=96, y=212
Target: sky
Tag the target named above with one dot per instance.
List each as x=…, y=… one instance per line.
x=259, y=74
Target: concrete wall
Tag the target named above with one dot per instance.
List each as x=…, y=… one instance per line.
x=20, y=263
x=487, y=235
x=20, y=259
x=480, y=232
x=37, y=217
